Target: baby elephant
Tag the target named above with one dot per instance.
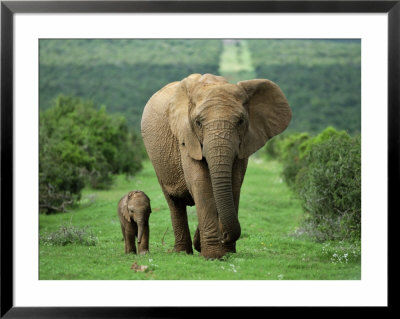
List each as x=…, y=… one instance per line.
x=134, y=211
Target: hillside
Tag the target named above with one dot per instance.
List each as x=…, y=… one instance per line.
x=121, y=74
x=321, y=78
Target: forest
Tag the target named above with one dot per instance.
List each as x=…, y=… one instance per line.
x=320, y=78
x=120, y=74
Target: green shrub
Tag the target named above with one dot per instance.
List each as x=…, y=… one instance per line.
x=273, y=148
x=329, y=185
x=305, y=147
x=78, y=146
x=290, y=156
x=294, y=148
x=60, y=183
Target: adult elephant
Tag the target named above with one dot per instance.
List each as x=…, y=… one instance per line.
x=199, y=133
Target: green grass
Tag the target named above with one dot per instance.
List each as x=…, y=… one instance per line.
x=267, y=248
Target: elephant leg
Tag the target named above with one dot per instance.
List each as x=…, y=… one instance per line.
x=196, y=240
x=238, y=172
x=125, y=239
x=130, y=234
x=123, y=232
x=207, y=238
x=130, y=246
x=208, y=230
x=180, y=225
x=143, y=247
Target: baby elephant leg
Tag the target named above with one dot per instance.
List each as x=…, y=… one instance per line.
x=143, y=246
x=129, y=236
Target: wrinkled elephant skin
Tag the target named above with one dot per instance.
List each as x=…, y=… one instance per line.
x=199, y=133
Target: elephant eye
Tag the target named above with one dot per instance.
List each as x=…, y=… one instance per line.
x=241, y=121
x=198, y=123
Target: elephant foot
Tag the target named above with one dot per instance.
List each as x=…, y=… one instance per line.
x=196, y=240
x=183, y=244
x=185, y=249
x=217, y=251
x=130, y=250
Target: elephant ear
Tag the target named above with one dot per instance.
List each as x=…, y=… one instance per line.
x=125, y=210
x=179, y=117
x=150, y=211
x=269, y=114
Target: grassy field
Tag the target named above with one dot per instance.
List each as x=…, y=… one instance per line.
x=266, y=250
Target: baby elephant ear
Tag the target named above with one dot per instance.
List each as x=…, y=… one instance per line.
x=269, y=114
x=125, y=210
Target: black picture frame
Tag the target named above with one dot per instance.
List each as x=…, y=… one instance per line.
x=9, y=8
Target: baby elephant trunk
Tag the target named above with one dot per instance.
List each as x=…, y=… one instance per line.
x=140, y=231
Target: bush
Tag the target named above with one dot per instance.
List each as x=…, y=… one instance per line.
x=294, y=148
x=60, y=183
x=273, y=149
x=329, y=184
x=290, y=156
x=79, y=146
x=306, y=146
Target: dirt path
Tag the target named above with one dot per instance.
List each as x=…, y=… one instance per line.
x=235, y=63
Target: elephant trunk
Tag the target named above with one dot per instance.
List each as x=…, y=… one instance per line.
x=220, y=155
x=140, y=231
